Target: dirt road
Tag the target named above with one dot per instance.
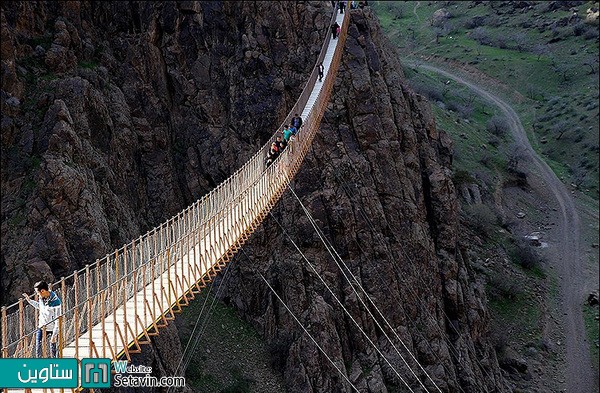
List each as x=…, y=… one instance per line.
x=567, y=259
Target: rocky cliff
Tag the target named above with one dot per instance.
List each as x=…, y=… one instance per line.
x=116, y=115
x=377, y=182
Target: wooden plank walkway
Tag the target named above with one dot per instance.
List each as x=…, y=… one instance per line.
x=191, y=263
x=190, y=255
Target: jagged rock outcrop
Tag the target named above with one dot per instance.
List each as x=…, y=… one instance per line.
x=377, y=182
x=117, y=115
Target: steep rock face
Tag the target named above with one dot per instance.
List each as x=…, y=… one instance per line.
x=117, y=115
x=377, y=182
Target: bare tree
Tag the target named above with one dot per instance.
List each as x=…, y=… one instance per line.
x=516, y=155
x=563, y=70
x=533, y=91
x=592, y=62
x=560, y=128
x=481, y=35
x=520, y=40
x=441, y=30
x=497, y=125
x=541, y=50
x=579, y=175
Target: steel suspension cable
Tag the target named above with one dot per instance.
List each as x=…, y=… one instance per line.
x=186, y=358
x=453, y=349
x=337, y=258
x=456, y=353
x=207, y=319
x=342, y=305
x=185, y=351
x=303, y=327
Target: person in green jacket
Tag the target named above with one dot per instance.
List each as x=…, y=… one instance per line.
x=287, y=133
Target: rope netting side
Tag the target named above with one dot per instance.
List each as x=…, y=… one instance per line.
x=205, y=231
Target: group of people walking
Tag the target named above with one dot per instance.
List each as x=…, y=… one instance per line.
x=281, y=141
x=290, y=131
x=341, y=5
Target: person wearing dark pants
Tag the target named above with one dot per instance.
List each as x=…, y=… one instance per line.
x=321, y=71
x=49, y=308
x=334, y=30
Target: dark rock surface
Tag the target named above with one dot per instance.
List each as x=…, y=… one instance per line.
x=129, y=112
x=377, y=182
x=117, y=115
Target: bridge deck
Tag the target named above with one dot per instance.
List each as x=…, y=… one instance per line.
x=136, y=305
x=186, y=259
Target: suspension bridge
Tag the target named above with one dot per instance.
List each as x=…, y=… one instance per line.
x=112, y=307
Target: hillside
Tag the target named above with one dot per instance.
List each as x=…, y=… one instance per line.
x=546, y=52
x=475, y=61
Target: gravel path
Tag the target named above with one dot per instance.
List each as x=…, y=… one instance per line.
x=567, y=260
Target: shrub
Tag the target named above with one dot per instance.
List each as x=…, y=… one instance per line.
x=526, y=256
x=494, y=141
x=432, y=93
x=482, y=218
x=500, y=42
x=465, y=110
x=497, y=125
x=520, y=41
x=474, y=22
x=503, y=287
x=591, y=33
x=579, y=29
x=462, y=177
x=482, y=36
x=493, y=21
x=500, y=340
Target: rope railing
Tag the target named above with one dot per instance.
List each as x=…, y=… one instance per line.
x=112, y=306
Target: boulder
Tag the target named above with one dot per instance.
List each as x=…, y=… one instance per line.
x=439, y=17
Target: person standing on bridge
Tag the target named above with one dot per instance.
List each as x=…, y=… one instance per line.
x=49, y=308
x=280, y=144
x=287, y=133
x=297, y=122
x=334, y=30
x=321, y=71
x=342, y=6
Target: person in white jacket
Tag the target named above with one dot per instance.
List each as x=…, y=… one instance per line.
x=49, y=307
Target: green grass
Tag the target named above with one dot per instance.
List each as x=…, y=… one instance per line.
x=544, y=99
x=590, y=314
x=229, y=350
x=473, y=151
x=521, y=310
